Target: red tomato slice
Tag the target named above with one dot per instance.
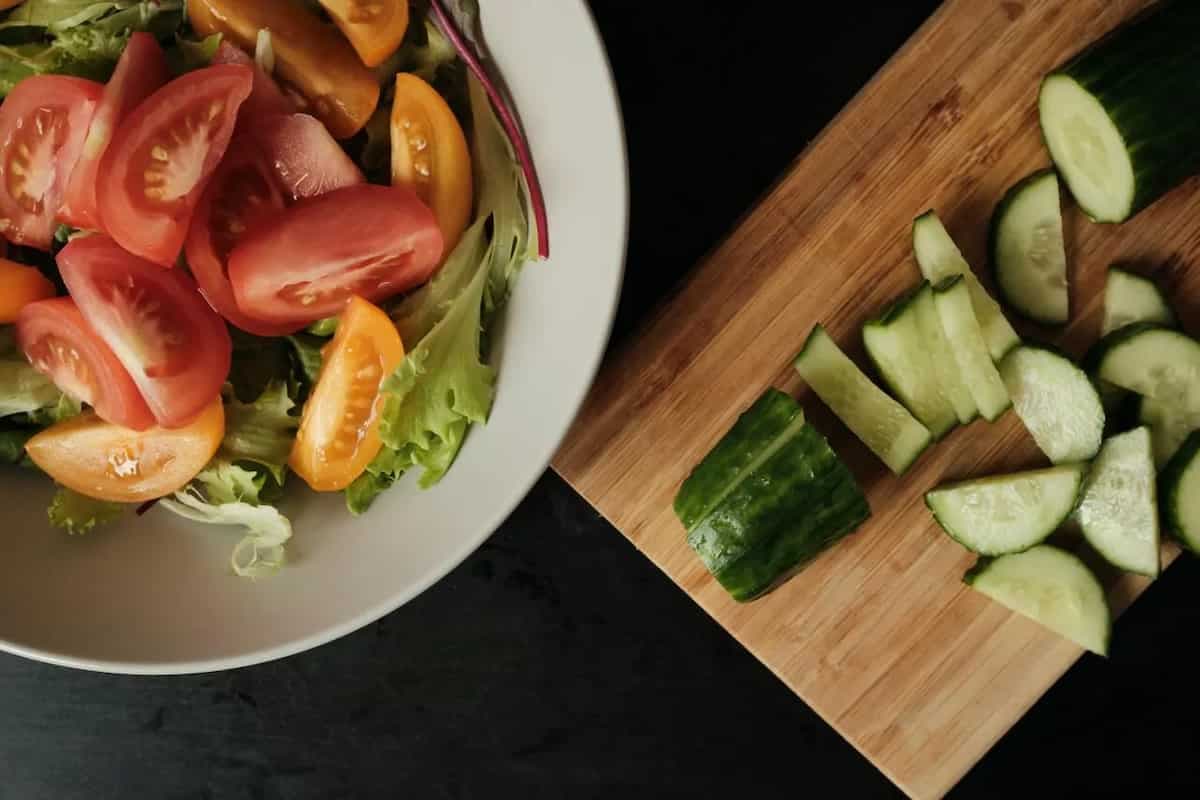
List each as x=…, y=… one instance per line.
x=304, y=264
x=241, y=192
x=141, y=70
x=266, y=98
x=58, y=342
x=152, y=174
x=176, y=348
x=43, y=123
x=306, y=157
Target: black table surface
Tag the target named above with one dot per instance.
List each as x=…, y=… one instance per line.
x=557, y=661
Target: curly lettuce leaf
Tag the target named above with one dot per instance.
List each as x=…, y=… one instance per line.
x=78, y=514
x=23, y=389
x=261, y=431
x=306, y=350
x=383, y=471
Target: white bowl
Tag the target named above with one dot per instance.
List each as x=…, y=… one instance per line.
x=155, y=595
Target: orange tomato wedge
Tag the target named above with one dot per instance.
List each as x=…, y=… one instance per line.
x=430, y=155
x=19, y=286
x=109, y=462
x=339, y=432
x=375, y=28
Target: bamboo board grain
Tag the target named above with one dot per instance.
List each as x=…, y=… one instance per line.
x=878, y=635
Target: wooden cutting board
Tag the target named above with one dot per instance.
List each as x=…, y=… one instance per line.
x=878, y=635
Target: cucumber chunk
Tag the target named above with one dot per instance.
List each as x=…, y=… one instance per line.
x=966, y=339
x=1169, y=427
x=942, y=354
x=939, y=259
x=1130, y=298
x=1028, y=256
x=1007, y=513
x=883, y=425
x=1053, y=588
x=1056, y=400
x=1119, y=510
x=1180, y=493
x=1152, y=361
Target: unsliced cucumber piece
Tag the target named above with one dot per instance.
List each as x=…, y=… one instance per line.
x=883, y=425
x=944, y=364
x=1130, y=298
x=1119, y=510
x=1007, y=513
x=939, y=259
x=1027, y=251
x=1056, y=400
x=970, y=351
x=1168, y=427
x=1053, y=588
x=1153, y=361
x=1180, y=493
x=896, y=346
x=1122, y=118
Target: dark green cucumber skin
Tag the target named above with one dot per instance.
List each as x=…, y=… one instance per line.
x=796, y=504
x=994, y=241
x=1169, y=485
x=898, y=308
x=753, y=432
x=1096, y=355
x=1145, y=74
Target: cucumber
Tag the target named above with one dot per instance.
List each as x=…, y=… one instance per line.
x=1028, y=256
x=1053, y=588
x=1056, y=400
x=966, y=339
x=1119, y=510
x=1130, y=298
x=1122, y=119
x=895, y=344
x=1179, y=488
x=883, y=425
x=1007, y=513
x=1168, y=427
x=939, y=259
x=948, y=377
x=1153, y=361
x=768, y=498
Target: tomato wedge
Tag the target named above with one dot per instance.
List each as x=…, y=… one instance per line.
x=375, y=28
x=241, y=192
x=176, y=348
x=430, y=154
x=109, y=462
x=339, y=432
x=19, y=286
x=141, y=70
x=43, y=123
x=307, y=159
x=265, y=98
x=152, y=174
x=305, y=263
x=60, y=344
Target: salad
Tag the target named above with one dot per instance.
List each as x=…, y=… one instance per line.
x=250, y=245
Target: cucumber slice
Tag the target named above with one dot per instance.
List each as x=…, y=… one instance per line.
x=1154, y=362
x=1130, y=298
x=939, y=259
x=896, y=346
x=1007, y=513
x=1119, y=510
x=1180, y=493
x=883, y=425
x=962, y=330
x=1056, y=400
x=1027, y=251
x=944, y=364
x=1121, y=119
x=1053, y=588
x=1168, y=427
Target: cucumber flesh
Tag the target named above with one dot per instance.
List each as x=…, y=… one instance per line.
x=896, y=346
x=966, y=339
x=1119, y=510
x=1152, y=361
x=1057, y=402
x=1168, y=427
x=942, y=354
x=1130, y=298
x=1179, y=486
x=940, y=259
x=883, y=425
x=1053, y=588
x=1007, y=513
x=1028, y=255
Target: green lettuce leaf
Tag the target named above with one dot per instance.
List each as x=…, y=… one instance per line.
x=12, y=445
x=383, y=471
x=78, y=514
x=186, y=55
x=27, y=396
x=306, y=349
x=261, y=431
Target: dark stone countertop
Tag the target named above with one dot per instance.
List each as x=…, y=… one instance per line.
x=557, y=661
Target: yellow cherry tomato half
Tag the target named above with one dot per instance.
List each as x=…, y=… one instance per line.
x=20, y=285
x=375, y=28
